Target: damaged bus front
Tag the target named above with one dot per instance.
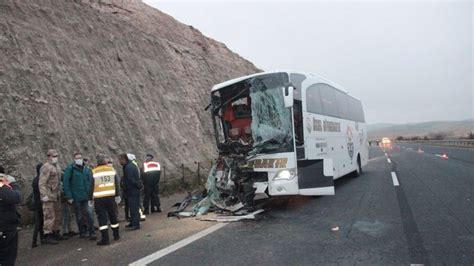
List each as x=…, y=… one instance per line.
x=254, y=127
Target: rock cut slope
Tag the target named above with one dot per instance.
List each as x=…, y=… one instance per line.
x=105, y=76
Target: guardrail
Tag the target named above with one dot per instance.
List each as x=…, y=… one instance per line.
x=451, y=142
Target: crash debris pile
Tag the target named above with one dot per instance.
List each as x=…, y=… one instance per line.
x=222, y=195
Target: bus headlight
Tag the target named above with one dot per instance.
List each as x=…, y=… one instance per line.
x=287, y=174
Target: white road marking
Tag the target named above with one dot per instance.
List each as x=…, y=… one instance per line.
x=385, y=154
x=376, y=158
x=161, y=253
x=388, y=160
x=395, y=179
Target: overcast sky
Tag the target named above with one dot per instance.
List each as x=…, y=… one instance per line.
x=406, y=61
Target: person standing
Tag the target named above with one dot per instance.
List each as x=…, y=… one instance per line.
x=77, y=188
x=132, y=187
x=151, y=179
x=9, y=197
x=131, y=157
x=50, y=192
x=38, y=209
x=105, y=194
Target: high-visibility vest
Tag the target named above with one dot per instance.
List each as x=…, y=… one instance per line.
x=151, y=166
x=104, y=181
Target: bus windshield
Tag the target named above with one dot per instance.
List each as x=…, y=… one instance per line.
x=252, y=116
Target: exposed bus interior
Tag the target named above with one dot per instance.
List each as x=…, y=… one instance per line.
x=249, y=118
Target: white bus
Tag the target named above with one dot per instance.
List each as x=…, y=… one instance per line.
x=285, y=133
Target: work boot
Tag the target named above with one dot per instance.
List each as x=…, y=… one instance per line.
x=116, y=233
x=92, y=237
x=105, y=238
x=57, y=236
x=49, y=240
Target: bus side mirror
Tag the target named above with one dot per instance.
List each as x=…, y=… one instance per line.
x=288, y=96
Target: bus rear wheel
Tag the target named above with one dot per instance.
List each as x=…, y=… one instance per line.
x=358, y=170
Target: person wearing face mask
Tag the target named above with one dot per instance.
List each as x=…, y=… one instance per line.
x=50, y=192
x=77, y=187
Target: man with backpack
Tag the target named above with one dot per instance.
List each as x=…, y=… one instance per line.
x=77, y=187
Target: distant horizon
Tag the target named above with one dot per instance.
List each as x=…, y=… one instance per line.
x=421, y=122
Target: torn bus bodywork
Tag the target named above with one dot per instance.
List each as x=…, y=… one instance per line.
x=254, y=136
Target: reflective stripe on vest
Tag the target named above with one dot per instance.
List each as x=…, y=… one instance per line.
x=151, y=166
x=104, y=181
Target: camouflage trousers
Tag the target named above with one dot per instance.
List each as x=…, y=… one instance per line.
x=52, y=216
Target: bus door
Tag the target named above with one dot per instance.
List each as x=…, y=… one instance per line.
x=315, y=170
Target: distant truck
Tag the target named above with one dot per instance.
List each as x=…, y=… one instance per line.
x=284, y=133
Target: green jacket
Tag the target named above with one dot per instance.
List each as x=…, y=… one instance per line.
x=77, y=182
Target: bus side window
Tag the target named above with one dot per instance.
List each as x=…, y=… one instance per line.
x=328, y=100
x=313, y=100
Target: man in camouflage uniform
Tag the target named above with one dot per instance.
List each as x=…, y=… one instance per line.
x=50, y=193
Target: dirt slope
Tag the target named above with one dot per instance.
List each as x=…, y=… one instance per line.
x=105, y=76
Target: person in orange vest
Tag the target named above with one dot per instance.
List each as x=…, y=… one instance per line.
x=105, y=193
x=151, y=179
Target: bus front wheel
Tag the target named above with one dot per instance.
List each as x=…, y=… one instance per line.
x=358, y=170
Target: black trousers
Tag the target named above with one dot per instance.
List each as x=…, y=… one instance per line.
x=134, y=205
x=106, y=211
x=8, y=247
x=151, y=197
x=127, y=208
x=38, y=225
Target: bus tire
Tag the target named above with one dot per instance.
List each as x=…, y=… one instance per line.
x=358, y=170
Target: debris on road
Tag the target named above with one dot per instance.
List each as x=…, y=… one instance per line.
x=335, y=228
x=231, y=218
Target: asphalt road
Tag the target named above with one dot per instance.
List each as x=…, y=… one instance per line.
x=427, y=219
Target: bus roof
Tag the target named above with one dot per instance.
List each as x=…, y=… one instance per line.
x=233, y=81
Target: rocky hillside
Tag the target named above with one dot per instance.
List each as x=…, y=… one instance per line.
x=105, y=76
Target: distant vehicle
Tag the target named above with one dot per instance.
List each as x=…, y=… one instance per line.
x=286, y=133
x=386, y=144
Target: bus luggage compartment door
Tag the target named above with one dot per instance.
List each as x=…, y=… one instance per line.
x=315, y=177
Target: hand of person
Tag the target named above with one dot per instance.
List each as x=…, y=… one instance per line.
x=45, y=198
x=91, y=203
x=70, y=201
x=118, y=199
x=3, y=181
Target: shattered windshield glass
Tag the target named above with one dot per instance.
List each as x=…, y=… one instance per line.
x=250, y=116
x=271, y=120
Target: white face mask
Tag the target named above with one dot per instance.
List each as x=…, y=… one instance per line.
x=54, y=160
x=79, y=161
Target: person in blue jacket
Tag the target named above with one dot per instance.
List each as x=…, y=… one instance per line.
x=77, y=187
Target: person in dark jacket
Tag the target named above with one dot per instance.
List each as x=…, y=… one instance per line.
x=132, y=186
x=77, y=186
x=9, y=219
x=38, y=209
